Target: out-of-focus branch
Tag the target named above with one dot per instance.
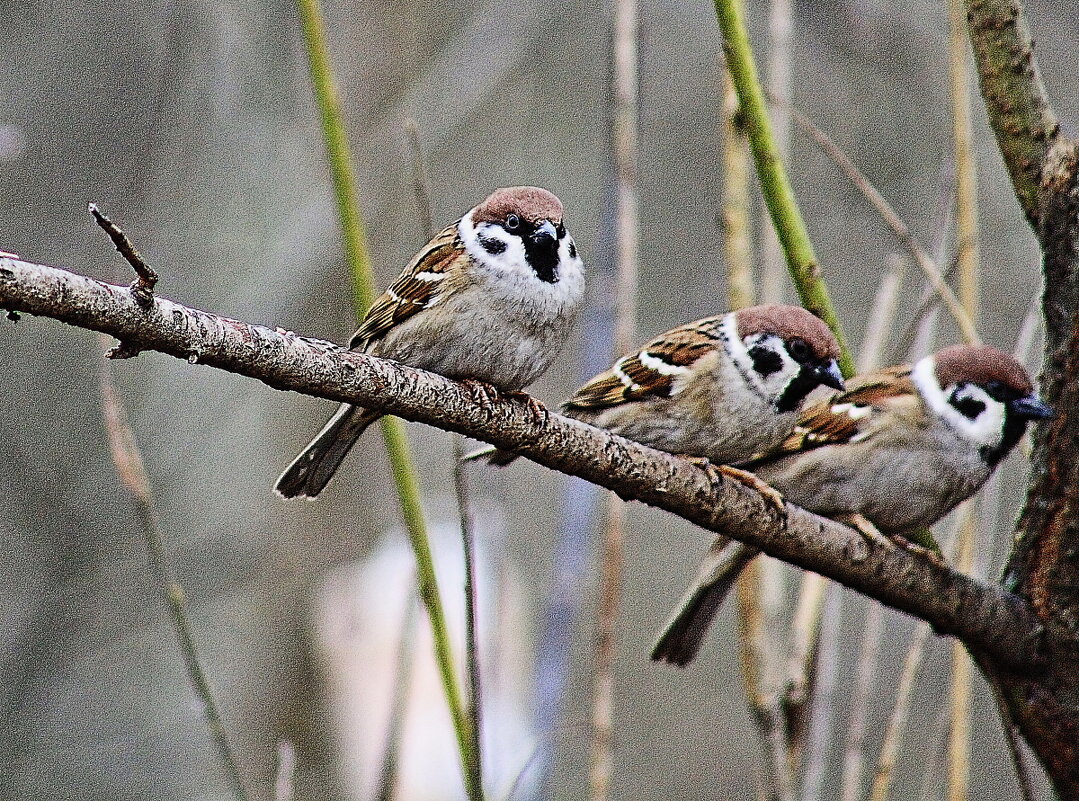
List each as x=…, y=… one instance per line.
x=402, y=467
x=624, y=152
x=893, y=736
x=968, y=261
x=776, y=186
x=129, y=466
x=986, y=617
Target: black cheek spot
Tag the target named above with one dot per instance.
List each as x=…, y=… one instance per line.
x=765, y=360
x=492, y=245
x=572, y=250
x=968, y=407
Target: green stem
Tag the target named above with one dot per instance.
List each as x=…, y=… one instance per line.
x=333, y=132
x=775, y=185
x=404, y=471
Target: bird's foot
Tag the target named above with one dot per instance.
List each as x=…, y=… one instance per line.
x=536, y=408
x=483, y=393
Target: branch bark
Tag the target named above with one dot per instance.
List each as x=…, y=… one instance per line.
x=987, y=618
x=1044, y=565
x=1011, y=84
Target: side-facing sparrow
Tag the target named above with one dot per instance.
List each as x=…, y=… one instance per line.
x=721, y=388
x=900, y=448
x=490, y=298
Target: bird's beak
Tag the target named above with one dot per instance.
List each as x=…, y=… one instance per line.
x=1031, y=408
x=546, y=231
x=828, y=374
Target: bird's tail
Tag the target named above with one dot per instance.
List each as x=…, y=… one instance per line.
x=684, y=633
x=490, y=454
x=312, y=470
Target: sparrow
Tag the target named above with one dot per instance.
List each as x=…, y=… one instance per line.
x=718, y=389
x=491, y=299
x=894, y=453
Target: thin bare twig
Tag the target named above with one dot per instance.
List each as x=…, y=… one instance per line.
x=864, y=675
x=143, y=286
x=822, y=712
x=283, y=786
x=968, y=259
x=126, y=456
x=893, y=737
x=1011, y=733
x=474, y=707
x=763, y=702
x=624, y=151
x=894, y=221
x=472, y=649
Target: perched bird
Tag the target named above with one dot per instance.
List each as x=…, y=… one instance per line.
x=721, y=388
x=895, y=452
x=490, y=298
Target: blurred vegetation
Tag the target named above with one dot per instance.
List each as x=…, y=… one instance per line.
x=194, y=126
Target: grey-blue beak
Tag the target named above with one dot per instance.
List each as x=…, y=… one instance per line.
x=545, y=231
x=829, y=375
x=1031, y=408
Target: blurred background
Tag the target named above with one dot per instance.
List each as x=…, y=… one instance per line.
x=193, y=125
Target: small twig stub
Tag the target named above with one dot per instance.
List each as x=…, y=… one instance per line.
x=143, y=286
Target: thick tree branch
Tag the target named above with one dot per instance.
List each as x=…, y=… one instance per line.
x=1011, y=83
x=986, y=617
x=1044, y=566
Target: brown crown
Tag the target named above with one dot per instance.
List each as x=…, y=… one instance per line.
x=789, y=322
x=531, y=203
x=980, y=364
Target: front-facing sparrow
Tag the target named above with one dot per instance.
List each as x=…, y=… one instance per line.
x=490, y=298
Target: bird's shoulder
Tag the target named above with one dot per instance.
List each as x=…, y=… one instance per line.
x=422, y=283
x=655, y=370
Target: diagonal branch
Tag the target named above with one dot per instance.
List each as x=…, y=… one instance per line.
x=986, y=617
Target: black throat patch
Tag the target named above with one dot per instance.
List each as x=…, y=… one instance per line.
x=542, y=257
x=1014, y=428
x=795, y=392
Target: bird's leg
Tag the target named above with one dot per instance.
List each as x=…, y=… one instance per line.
x=773, y=496
x=538, y=410
x=482, y=392
x=873, y=534
x=751, y=480
x=919, y=550
x=865, y=527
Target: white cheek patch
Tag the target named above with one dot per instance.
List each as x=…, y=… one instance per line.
x=985, y=430
x=518, y=281
x=511, y=259
x=769, y=387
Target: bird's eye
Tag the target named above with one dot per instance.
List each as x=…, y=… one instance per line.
x=513, y=223
x=799, y=349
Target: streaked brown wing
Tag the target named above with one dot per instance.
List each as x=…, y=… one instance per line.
x=651, y=371
x=416, y=288
x=841, y=417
